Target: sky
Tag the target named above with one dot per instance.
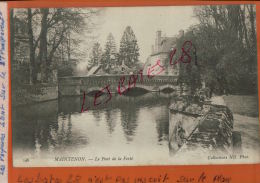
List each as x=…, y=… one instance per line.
x=145, y=21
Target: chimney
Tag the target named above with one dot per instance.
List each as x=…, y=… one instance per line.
x=159, y=34
x=181, y=33
x=158, y=40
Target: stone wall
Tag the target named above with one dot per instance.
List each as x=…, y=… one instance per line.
x=27, y=94
x=200, y=125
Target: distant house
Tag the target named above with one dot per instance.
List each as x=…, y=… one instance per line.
x=20, y=56
x=95, y=70
x=99, y=70
x=21, y=42
x=123, y=69
x=161, y=51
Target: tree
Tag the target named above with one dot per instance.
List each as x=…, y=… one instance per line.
x=33, y=74
x=43, y=44
x=129, y=50
x=189, y=72
x=96, y=55
x=110, y=55
x=226, y=47
x=48, y=30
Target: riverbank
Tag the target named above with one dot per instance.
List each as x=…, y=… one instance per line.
x=29, y=94
x=246, y=121
x=243, y=104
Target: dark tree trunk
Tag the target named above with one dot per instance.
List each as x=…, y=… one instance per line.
x=252, y=23
x=243, y=17
x=43, y=45
x=68, y=46
x=32, y=50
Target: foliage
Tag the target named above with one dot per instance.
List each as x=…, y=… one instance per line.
x=225, y=42
x=96, y=55
x=189, y=72
x=113, y=62
x=129, y=50
x=53, y=36
x=110, y=55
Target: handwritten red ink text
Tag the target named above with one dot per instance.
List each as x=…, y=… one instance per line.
x=156, y=69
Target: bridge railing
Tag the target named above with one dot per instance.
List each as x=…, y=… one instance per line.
x=108, y=79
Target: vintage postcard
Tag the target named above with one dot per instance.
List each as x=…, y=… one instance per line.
x=130, y=86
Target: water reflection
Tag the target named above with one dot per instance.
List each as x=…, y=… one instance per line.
x=58, y=126
x=162, y=126
x=110, y=119
x=129, y=115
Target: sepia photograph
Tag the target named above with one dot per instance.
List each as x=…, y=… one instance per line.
x=129, y=86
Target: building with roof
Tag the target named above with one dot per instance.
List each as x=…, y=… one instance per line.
x=161, y=51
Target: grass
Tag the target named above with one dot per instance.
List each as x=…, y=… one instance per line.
x=243, y=104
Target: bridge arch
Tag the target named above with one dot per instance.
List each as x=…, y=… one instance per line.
x=168, y=88
x=92, y=84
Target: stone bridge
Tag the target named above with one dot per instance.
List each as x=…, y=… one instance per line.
x=71, y=86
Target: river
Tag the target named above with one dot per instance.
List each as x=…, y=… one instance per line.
x=127, y=130
x=126, y=126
